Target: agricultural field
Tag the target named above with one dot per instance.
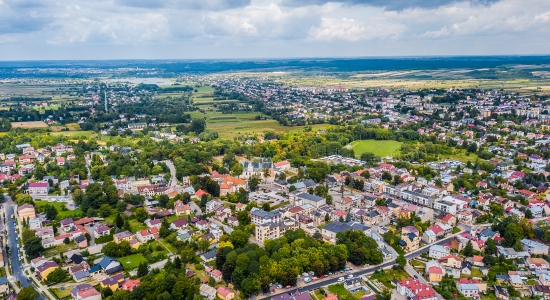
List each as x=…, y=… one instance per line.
x=32, y=124
x=379, y=148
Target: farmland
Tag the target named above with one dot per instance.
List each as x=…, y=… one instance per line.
x=33, y=124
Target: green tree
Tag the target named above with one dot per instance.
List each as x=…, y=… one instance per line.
x=58, y=275
x=141, y=215
x=401, y=260
x=27, y=293
x=239, y=238
x=198, y=125
x=119, y=222
x=33, y=247
x=237, y=169
x=469, y=249
x=253, y=182
x=50, y=211
x=164, y=230
x=142, y=269
x=244, y=218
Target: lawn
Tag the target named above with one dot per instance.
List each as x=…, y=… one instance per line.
x=385, y=277
x=416, y=263
x=131, y=262
x=341, y=292
x=456, y=230
x=62, y=211
x=135, y=225
x=56, y=250
x=379, y=148
x=168, y=246
x=60, y=294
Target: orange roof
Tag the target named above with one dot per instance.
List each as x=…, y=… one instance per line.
x=478, y=258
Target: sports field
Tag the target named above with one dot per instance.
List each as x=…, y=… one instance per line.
x=379, y=148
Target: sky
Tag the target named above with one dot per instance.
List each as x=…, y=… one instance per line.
x=217, y=29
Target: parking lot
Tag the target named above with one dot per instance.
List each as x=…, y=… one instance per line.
x=261, y=197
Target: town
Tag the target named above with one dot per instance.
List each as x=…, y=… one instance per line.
x=348, y=193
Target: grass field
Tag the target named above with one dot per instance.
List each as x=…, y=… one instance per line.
x=387, y=276
x=379, y=148
x=61, y=293
x=32, y=124
x=131, y=262
x=340, y=291
x=61, y=214
x=78, y=133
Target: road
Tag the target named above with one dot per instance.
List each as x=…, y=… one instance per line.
x=359, y=272
x=16, y=264
x=173, y=180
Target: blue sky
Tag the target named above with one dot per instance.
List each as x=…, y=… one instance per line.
x=157, y=29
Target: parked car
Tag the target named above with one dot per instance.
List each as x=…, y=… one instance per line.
x=350, y=276
x=415, y=277
x=340, y=279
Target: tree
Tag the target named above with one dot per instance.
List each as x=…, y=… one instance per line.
x=239, y=238
x=237, y=169
x=327, y=217
x=104, y=210
x=119, y=222
x=27, y=293
x=58, y=275
x=66, y=241
x=401, y=260
x=253, y=182
x=528, y=214
x=177, y=262
x=142, y=269
x=164, y=230
x=469, y=249
x=21, y=199
x=33, y=247
x=203, y=245
x=490, y=247
x=266, y=206
x=244, y=218
x=212, y=282
x=198, y=125
x=50, y=211
x=141, y=215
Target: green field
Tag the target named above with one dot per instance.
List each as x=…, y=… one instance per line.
x=379, y=148
x=78, y=133
x=62, y=211
x=131, y=262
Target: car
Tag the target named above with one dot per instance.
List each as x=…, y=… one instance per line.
x=340, y=279
x=287, y=287
x=311, y=273
x=415, y=276
x=279, y=286
x=322, y=276
x=350, y=276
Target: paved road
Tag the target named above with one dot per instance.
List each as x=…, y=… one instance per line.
x=173, y=180
x=333, y=280
x=16, y=264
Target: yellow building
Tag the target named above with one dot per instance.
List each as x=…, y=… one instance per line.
x=409, y=241
x=434, y=271
x=45, y=269
x=113, y=282
x=26, y=212
x=122, y=236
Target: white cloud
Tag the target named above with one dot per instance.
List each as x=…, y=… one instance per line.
x=217, y=28
x=350, y=30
